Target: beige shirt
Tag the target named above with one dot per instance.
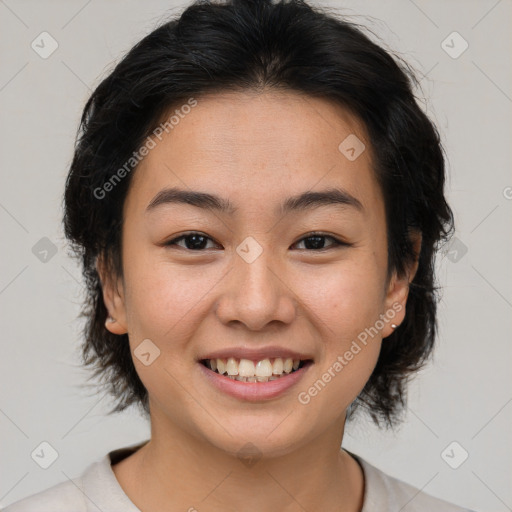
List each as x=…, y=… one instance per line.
x=97, y=489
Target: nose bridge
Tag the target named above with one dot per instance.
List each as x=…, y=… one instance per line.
x=255, y=294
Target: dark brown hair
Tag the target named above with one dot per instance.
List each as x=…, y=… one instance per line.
x=239, y=45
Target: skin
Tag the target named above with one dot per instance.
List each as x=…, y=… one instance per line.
x=256, y=149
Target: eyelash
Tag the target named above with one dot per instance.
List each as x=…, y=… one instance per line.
x=337, y=242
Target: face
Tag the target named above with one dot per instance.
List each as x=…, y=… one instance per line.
x=260, y=281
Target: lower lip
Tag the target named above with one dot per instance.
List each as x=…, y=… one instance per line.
x=254, y=391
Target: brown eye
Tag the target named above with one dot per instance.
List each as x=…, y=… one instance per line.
x=194, y=241
x=316, y=241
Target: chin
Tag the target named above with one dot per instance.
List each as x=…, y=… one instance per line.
x=258, y=438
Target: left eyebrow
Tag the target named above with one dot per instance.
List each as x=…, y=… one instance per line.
x=301, y=202
x=329, y=197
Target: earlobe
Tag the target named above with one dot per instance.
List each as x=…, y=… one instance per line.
x=398, y=290
x=112, y=325
x=113, y=298
x=395, y=304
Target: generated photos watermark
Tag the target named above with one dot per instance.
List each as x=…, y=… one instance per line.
x=304, y=397
x=137, y=156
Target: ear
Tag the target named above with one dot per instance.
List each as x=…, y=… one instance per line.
x=398, y=289
x=113, y=297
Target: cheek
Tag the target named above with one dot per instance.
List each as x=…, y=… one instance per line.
x=165, y=298
x=346, y=303
x=165, y=305
x=346, y=297
x=345, y=309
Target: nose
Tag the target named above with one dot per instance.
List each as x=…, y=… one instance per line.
x=256, y=294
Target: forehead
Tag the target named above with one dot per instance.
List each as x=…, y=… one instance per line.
x=258, y=148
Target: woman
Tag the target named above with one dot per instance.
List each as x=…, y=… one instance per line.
x=257, y=201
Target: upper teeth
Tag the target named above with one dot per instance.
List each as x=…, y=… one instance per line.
x=248, y=368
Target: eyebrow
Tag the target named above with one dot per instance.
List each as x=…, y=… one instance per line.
x=301, y=202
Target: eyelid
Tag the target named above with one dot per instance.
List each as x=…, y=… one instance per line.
x=175, y=239
x=337, y=241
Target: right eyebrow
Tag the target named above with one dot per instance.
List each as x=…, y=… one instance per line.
x=199, y=199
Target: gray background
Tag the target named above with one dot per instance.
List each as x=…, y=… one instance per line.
x=465, y=396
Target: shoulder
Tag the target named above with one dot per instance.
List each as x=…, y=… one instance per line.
x=58, y=498
x=95, y=489
x=385, y=493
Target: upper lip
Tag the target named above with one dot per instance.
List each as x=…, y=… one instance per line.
x=256, y=354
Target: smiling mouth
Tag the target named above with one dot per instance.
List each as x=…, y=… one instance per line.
x=246, y=370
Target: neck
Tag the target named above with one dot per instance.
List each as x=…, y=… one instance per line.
x=176, y=471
